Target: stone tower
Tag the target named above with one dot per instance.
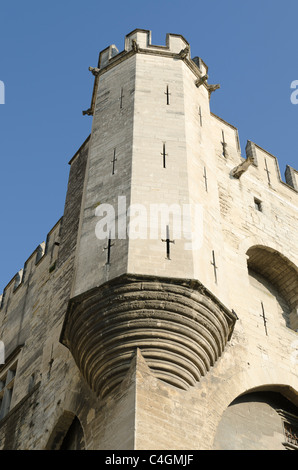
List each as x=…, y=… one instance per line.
x=161, y=313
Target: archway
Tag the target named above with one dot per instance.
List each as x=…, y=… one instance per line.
x=278, y=276
x=67, y=434
x=258, y=420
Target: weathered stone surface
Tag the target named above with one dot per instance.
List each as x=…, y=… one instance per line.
x=179, y=327
x=140, y=329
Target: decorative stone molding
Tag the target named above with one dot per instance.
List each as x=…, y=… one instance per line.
x=180, y=328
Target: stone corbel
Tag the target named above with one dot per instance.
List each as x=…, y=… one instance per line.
x=201, y=80
x=212, y=88
x=240, y=169
x=183, y=54
x=135, y=46
x=94, y=71
x=89, y=112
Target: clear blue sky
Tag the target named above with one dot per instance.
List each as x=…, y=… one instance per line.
x=251, y=49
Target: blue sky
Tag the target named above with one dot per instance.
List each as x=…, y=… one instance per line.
x=251, y=49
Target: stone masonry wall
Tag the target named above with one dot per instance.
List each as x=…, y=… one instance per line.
x=255, y=214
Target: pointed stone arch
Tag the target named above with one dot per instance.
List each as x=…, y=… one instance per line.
x=264, y=418
x=280, y=272
x=67, y=434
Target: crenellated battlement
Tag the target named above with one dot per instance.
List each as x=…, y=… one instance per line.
x=262, y=157
x=172, y=277
x=139, y=41
x=47, y=250
x=268, y=167
x=257, y=162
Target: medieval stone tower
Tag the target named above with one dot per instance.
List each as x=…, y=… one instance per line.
x=161, y=312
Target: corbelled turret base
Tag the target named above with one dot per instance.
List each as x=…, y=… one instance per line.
x=180, y=328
